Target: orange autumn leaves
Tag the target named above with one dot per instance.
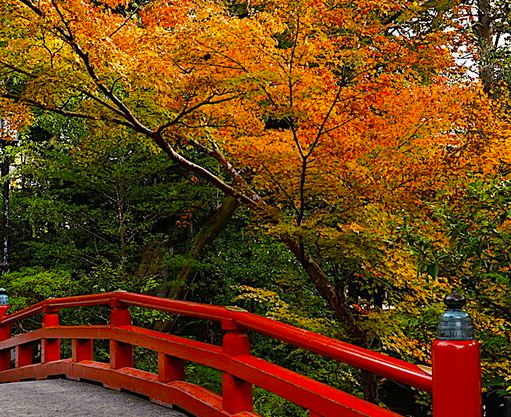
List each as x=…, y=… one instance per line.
x=372, y=119
x=321, y=102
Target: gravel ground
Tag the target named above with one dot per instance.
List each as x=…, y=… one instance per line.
x=60, y=397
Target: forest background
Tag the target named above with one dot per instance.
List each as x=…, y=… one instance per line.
x=337, y=165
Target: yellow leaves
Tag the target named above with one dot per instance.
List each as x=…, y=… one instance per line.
x=13, y=118
x=403, y=345
x=278, y=308
x=270, y=23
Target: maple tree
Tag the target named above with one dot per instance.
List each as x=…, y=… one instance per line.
x=325, y=118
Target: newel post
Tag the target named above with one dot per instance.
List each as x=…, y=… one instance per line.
x=236, y=393
x=456, y=363
x=121, y=354
x=50, y=348
x=5, y=331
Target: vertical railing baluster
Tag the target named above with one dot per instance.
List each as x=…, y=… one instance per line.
x=170, y=368
x=121, y=354
x=24, y=354
x=236, y=393
x=82, y=350
x=50, y=348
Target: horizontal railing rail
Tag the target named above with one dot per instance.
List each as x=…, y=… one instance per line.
x=374, y=362
x=240, y=369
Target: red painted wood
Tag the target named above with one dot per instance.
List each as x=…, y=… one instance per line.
x=35, y=371
x=374, y=362
x=305, y=392
x=120, y=317
x=170, y=368
x=290, y=385
x=121, y=354
x=456, y=378
x=50, y=348
x=192, y=398
x=24, y=355
x=186, y=349
x=240, y=370
x=50, y=318
x=358, y=357
x=82, y=350
x=5, y=354
x=23, y=338
x=236, y=393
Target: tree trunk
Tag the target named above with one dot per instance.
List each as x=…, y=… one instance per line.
x=4, y=172
x=121, y=218
x=370, y=386
x=321, y=282
x=207, y=234
x=339, y=306
x=484, y=33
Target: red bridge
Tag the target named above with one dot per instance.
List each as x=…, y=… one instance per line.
x=454, y=382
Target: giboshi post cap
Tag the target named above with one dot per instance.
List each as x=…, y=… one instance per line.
x=455, y=324
x=455, y=301
x=4, y=298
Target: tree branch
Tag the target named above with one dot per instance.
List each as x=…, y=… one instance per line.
x=187, y=110
x=17, y=69
x=204, y=173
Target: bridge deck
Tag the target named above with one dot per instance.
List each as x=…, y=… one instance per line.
x=59, y=397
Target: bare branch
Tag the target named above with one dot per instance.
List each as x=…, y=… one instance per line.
x=84, y=57
x=125, y=21
x=187, y=110
x=281, y=188
x=62, y=111
x=100, y=101
x=204, y=173
x=324, y=121
x=32, y=6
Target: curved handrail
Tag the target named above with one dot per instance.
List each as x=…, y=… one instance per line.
x=374, y=362
x=290, y=385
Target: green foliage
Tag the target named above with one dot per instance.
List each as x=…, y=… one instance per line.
x=473, y=253
x=32, y=284
x=105, y=206
x=204, y=376
x=271, y=405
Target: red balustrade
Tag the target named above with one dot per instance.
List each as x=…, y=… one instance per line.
x=240, y=370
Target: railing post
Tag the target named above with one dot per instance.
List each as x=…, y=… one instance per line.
x=121, y=354
x=24, y=355
x=170, y=368
x=456, y=364
x=82, y=350
x=50, y=348
x=236, y=393
x=5, y=332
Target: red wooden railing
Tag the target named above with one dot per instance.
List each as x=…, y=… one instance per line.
x=240, y=370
